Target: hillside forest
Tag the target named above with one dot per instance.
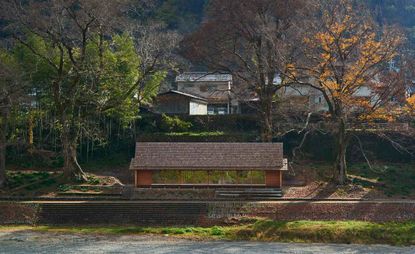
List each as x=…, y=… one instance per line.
x=78, y=79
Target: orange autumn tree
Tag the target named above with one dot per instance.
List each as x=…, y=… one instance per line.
x=345, y=58
x=410, y=106
x=408, y=111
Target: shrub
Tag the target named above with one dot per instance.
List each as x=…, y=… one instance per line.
x=174, y=124
x=194, y=137
x=149, y=123
x=216, y=231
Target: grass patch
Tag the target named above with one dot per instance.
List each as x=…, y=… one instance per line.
x=130, y=230
x=393, y=179
x=15, y=228
x=357, y=232
x=33, y=180
x=197, y=134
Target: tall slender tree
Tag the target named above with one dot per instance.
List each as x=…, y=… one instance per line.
x=12, y=92
x=88, y=69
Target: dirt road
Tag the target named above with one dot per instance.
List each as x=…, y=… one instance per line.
x=35, y=242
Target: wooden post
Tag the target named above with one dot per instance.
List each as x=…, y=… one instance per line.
x=273, y=178
x=144, y=178
x=250, y=177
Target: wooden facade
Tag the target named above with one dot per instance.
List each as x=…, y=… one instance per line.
x=175, y=102
x=151, y=158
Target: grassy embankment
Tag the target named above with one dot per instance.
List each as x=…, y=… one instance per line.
x=393, y=179
x=357, y=232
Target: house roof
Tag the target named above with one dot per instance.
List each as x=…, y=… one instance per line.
x=184, y=94
x=411, y=89
x=203, y=77
x=204, y=156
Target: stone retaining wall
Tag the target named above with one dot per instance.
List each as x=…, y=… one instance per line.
x=288, y=211
x=198, y=213
x=19, y=213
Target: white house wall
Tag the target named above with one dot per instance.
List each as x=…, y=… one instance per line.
x=197, y=108
x=317, y=103
x=363, y=91
x=297, y=90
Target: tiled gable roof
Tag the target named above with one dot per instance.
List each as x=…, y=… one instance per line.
x=203, y=77
x=184, y=94
x=215, y=156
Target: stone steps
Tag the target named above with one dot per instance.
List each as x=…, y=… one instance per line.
x=250, y=194
x=89, y=194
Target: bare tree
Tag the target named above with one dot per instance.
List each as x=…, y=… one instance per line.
x=156, y=46
x=255, y=40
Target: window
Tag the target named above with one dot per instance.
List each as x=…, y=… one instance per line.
x=217, y=109
x=210, y=110
x=222, y=111
x=208, y=177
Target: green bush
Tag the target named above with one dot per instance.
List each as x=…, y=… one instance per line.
x=228, y=123
x=64, y=188
x=173, y=231
x=174, y=124
x=149, y=123
x=197, y=137
x=216, y=231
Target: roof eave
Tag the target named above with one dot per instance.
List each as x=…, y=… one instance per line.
x=184, y=94
x=276, y=168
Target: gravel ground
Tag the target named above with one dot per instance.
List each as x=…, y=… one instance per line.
x=35, y=242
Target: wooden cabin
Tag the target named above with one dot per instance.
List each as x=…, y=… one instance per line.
x=208, y=165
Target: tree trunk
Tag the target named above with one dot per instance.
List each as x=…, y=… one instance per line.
x=71, y=167
x=2, y=159
x=266, y=115
x=30, y=130
x=3, y=145
x=30, y=134
x=340, y=165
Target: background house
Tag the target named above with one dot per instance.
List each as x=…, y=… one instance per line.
x=199, y=93
x=203, y=93
x=410, y=89
x=176, y=102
